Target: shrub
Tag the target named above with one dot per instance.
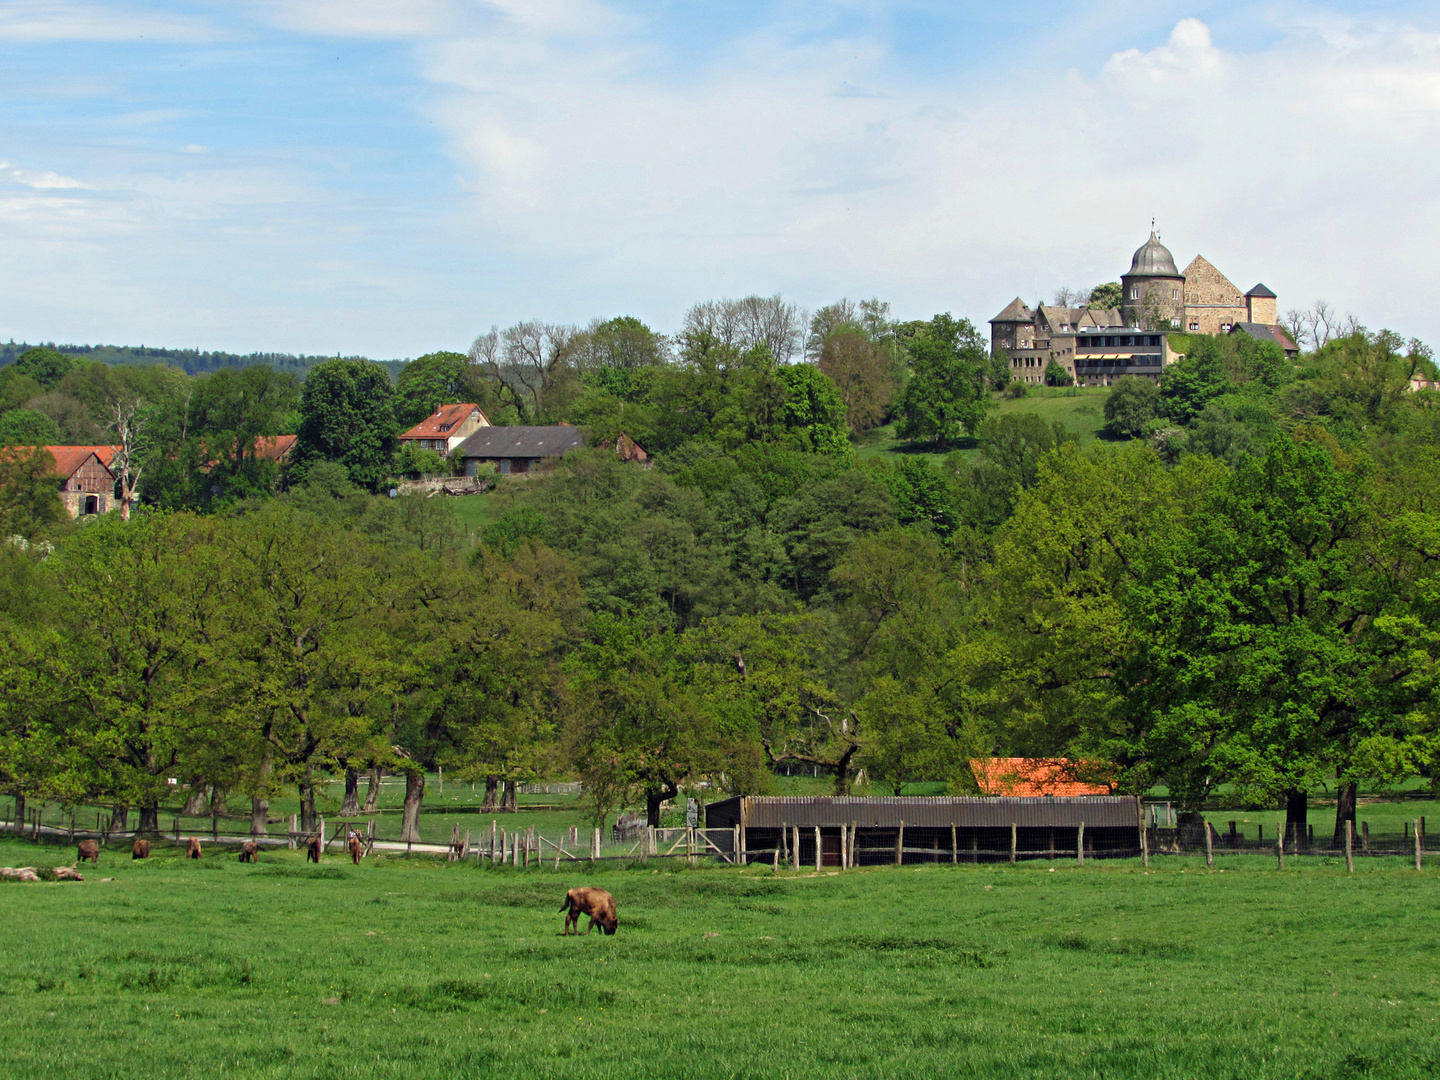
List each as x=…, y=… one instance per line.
x=1132, y=406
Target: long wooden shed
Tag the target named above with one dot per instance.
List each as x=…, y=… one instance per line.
x=887, y=829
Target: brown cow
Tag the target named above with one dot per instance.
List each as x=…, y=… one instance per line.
x=313, y=849
x=192, y=849
x=597, y=903
x=141, y=849
x=249, y=851
x=357, y=848
x=89, y=849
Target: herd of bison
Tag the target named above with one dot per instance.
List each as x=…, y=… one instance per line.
x=598, y=904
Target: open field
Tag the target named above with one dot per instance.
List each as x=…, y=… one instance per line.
x=1080, y=409
x=411, y=968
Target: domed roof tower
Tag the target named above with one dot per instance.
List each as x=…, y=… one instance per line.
x=1153, y=259
x=1153, y=292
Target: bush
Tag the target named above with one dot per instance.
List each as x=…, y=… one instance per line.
x=1017, y=389
x=1132, y=406
x=1055, y=375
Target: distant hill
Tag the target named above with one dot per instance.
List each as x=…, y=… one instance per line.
x=193, y=361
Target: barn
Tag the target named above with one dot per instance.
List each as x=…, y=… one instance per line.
x=856, y=831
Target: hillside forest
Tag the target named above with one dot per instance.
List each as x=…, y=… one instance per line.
x=1233, y=592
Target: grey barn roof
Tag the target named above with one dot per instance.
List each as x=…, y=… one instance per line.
x=887, y=811
x=521, y=442
x=1265, y=332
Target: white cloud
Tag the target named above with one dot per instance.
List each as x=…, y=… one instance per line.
x=1309, y=165
x=62, y=20
x=364, y=18
x=41, y=181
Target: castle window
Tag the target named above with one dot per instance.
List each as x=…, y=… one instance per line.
x=1134, y=292
x=1174, y=294
x=1194, y=326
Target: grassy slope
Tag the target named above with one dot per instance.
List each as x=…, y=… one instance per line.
x=409, y=969
x=1081, y=410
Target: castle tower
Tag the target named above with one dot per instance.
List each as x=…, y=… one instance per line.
x=1154, y=290
x=1260, y=306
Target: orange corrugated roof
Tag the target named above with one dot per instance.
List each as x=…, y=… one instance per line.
x=1032, y=777
x=442, y=422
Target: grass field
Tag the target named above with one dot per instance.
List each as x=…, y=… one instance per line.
x=411, y=968
x=1080, y=409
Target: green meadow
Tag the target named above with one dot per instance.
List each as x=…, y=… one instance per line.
x=417, y=968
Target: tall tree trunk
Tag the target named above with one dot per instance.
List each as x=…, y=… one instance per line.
x=1297, y=815
x=653, y=798
x=219, y=802
x=842, y=770
x=351, y=805
x=492, y=795
x=19, y=813
x=510, y=803
x=119, y=817
x=259, y=816
x=149, y=818
x=1345, y=800
x=309, y=820
x=197, y=804
x=414, y=795
x=372, y=792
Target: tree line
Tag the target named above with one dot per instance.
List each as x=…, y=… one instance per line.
x=1232, y=593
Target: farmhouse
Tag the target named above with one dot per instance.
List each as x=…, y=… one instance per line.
x=87, y=486
x=918, y=829
x=446, y=428
x=517, y=449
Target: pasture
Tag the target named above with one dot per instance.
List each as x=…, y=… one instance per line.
x=417, y=968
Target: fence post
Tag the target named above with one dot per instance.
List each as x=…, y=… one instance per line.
x=1012, y=842
x=954, y=848
x=595, y=845
x=1144, y=846
x=1349, y=847
x=1417, y=844
x=795, y=854
x=1365, y=837
x=1209, y=846
x=735, y=852
x=1279, y=848
x=819, y=848
x=1079, y=845
x=645, y=844
x=854, y=842
x=900, y=844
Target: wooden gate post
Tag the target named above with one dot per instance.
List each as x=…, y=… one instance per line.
x=1209, y=846
x=854, y=842
x=795, y=853
x=844, y=848
x=645, y=844
x=1417, y=844
x=1080, y=845
x=900, y=844
x=735, y=853
x=819, y=859
x=954, y=848
x=1013, y=839
x=1280, y=848
x=1349, y=847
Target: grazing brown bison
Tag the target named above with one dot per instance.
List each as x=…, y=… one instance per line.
x=192, y=849
x=89, y=849
x=357, y=849
x=597, y=903
x=313, y=849
x=249, y=851
x=141, y=849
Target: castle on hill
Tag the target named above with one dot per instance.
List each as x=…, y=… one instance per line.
x=1095, y=346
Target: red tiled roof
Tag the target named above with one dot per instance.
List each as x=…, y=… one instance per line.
x=274, y=447
x=1033, y=776
x=69, y=458
x=442, y=422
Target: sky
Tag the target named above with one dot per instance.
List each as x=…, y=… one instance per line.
x=389, y=178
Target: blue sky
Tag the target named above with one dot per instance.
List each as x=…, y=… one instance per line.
x=386, y=178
